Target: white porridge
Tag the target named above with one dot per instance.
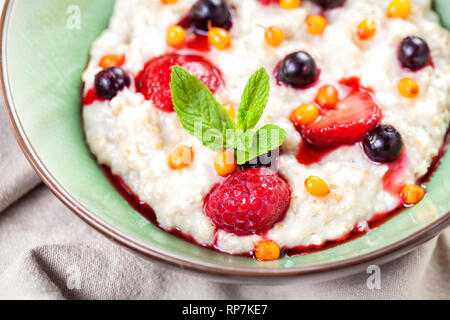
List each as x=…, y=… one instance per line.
x=134, y=138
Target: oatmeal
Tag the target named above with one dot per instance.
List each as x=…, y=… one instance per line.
x=394, y=70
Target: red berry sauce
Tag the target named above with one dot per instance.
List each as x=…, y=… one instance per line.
x=90, y=97
x=307, y=155
x=430, y=63
x=360, y=229
x=195, y=41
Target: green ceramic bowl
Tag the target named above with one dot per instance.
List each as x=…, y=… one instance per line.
x=43, y=54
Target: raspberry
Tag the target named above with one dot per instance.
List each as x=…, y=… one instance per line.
x=248, y=202
x=153, y=82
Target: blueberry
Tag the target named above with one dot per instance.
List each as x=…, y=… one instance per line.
x=268, y=160
x=110, y=81
x=329, y=4
x=414, y=53
x=383, y=144
x=298, y=70
x=213, y=12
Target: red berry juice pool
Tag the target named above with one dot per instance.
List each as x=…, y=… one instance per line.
x=310, y=156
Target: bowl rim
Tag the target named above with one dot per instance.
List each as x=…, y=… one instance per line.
x=393, y=250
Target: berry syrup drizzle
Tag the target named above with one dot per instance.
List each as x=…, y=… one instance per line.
x=195, y=40
x=90, y=97
x=430, y=63
x=358, y=231
x=391, y=184
x=143, y=208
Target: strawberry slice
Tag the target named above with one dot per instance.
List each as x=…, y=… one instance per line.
x=348, y=124
x=153, y=81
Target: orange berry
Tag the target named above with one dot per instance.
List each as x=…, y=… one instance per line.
x=225, y=163
x=229, y=108
x=169, y=1
x=327, y=97
x=408, y=88
x=219, y=38
x=304, y=115
x=176, y=36
x=317, y=187
x=316, y=24
x=182, y=157
x=274, y=36
x=289, y=4
x=111, y=60
x=267, y=251
x=399, y=9
x=366, y=29
x=412, y=194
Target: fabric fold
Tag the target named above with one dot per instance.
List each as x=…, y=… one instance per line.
x=47, y=252
x=17, y=176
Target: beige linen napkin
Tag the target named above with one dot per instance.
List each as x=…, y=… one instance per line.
x=46, y=252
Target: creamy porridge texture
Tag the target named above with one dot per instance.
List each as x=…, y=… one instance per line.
x=134, y=138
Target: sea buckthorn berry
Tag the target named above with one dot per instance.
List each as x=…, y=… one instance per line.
x=412, y=194
x=399, y=9
x=366, y=29
x=176, y=36
x=112, y=60
x=316, y=24
x=317, y=187
x=219, y=38
x=304, y=115
x=327, y=97
x=169, y=1
x=229, y=108
x=182, y=157
x=274, y=36
x=408, y=88
x=267, y=251
x=289, y=4
x=225, y=163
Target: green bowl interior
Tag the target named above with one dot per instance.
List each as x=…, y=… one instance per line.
x=44, y=61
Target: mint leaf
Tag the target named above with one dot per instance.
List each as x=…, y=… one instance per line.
x=199, y=111
x=266, y=139
x=205, y=118
x=244, y=141
x=254, y=100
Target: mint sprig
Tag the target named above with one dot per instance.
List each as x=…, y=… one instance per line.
x=206, y=119
x=253, y=100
